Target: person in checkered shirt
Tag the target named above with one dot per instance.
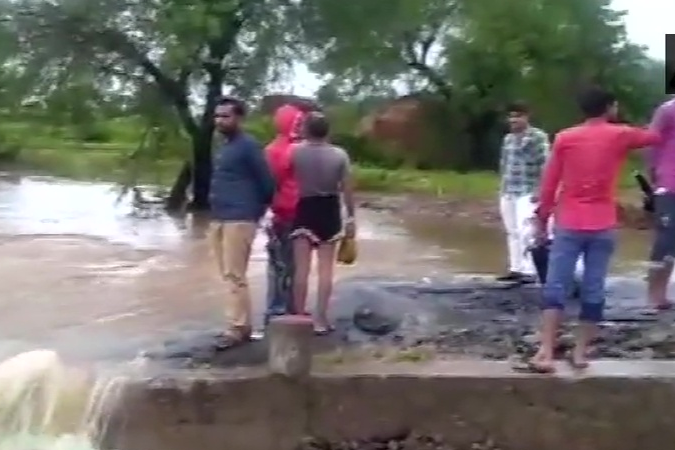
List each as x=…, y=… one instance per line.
x=523, y=154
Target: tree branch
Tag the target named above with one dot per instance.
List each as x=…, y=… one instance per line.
x=418, y=61
x=218, y=48
x=174, y=90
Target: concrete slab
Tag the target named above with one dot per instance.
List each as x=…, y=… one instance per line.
x=616, y=405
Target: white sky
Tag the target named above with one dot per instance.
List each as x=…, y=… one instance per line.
x=647, y=21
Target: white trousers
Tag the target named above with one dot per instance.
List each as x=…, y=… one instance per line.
x=516, y=211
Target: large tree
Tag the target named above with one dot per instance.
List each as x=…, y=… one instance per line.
x=477, y=55
x=190, y=51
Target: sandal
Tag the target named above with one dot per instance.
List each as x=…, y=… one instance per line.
x=533, y=367
x=667, y=306
x=323, y=330
x=230, y=340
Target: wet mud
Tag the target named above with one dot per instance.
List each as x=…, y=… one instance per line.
x=404, y=440
x=467, y=318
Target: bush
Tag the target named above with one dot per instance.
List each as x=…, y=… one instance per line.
x=262, y=128
x=365, y=151
x=95, y=135
x=10, y=150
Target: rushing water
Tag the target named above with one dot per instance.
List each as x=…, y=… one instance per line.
x=46, y=405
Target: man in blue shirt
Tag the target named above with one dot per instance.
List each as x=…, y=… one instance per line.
x=242, y=188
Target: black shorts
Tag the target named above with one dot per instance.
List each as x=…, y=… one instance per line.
x=318, y=219
x=663, y=247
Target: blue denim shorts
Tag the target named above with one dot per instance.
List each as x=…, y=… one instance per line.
x=596, y=248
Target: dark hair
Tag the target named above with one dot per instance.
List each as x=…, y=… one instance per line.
x=595, y=101
x=518, y=107
x=238, y=106
x=316, y=125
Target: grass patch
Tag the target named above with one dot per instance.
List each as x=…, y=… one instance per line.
x=437, y=182
x=102, y=162
x=110, y=162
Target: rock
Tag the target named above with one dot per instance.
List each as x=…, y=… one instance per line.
x=370, y=321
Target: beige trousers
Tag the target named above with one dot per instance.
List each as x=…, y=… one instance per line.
x=232, y=242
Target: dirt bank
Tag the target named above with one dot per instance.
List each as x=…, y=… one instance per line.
x=479, y=211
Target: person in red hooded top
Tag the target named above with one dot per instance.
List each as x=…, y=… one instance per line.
x=288, y=120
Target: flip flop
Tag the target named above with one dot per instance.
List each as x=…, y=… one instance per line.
x=533, y=367
x=228, y=341
x=654, y=310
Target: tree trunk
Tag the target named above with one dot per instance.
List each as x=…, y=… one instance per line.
x=484, y=141
x=203, y=166
x=202, y=155
x=177, y=199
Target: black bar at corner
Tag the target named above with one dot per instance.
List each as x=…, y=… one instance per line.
x=670, y=64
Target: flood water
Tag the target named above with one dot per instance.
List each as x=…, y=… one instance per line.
x=480, y=249
x=90, y=276
x=78, y=261
x=96, y=278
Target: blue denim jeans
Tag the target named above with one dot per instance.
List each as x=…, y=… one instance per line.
x=279, y=271
x=596, y=248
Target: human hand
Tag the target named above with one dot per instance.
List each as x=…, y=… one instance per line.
x=540, y=233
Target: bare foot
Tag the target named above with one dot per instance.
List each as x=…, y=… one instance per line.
x=665, y=305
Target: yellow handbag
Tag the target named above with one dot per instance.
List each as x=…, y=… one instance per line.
x=347, y=252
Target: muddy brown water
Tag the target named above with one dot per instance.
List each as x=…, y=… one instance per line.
x=95, y=278
x=480, y=249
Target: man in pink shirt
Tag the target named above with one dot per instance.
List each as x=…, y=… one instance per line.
x=661, y=168
x=579, y=188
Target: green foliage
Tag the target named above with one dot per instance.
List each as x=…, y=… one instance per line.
x=477, y=56
x=145, y=75
x=261, y=127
